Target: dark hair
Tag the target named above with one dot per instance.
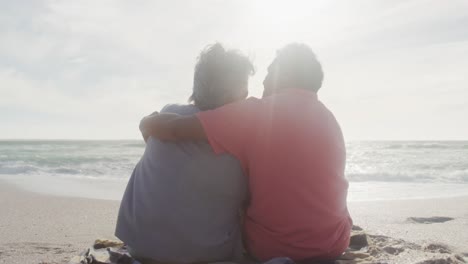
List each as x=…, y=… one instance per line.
x=219, y=73
x=298, y=67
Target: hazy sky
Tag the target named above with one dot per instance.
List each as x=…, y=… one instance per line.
x=92, y=69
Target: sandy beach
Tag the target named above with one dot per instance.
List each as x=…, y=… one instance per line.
x=423, y=231
x=37, y=228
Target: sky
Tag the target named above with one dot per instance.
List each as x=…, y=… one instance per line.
x=394, y=70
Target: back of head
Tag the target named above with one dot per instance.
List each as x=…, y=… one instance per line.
x=296, y=66
x=221, y=77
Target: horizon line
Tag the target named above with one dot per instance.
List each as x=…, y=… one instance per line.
x=135, y=139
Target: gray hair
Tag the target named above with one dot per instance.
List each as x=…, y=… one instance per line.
x=219, y=74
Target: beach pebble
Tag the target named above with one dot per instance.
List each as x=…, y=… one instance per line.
x=446, y=260
x=104, y=243
x=429, y=220
x=356, y=228
x=358, y=241
x=437, y=248
x=393, y=250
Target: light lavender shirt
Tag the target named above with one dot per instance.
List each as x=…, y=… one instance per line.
x=182, y=202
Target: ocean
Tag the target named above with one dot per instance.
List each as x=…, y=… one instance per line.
x=376, y=170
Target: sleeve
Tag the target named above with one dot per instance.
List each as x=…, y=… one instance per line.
x=169, y=108
x=231, y=128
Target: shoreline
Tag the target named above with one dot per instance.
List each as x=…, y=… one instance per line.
x=38, y=227
x=113, y=189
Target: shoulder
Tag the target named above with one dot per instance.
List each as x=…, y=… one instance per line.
x=180, y=109
x=171, y=108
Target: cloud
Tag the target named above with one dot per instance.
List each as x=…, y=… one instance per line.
x=91, y=68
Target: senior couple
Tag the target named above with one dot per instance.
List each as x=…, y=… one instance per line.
x=227, y=178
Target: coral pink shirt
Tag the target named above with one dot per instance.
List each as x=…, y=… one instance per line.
x=291, y=147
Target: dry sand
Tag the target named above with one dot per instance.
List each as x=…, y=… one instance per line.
x=390, y=218
x=37, y=228
x=423, y=231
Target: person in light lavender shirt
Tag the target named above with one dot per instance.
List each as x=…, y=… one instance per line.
x=182, y=202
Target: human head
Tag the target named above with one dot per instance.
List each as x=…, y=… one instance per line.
x=221, y=76
x=295, y=66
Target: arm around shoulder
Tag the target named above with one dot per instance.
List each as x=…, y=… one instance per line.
x=173, y=127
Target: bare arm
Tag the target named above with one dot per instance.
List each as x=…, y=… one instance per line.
x=172, y=127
